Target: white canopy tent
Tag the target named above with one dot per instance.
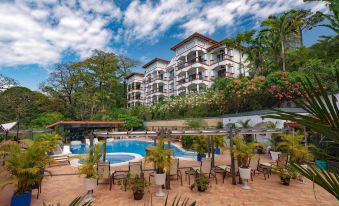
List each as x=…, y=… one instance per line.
x=8, y=126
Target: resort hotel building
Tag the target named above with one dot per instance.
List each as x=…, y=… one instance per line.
x=198, y=61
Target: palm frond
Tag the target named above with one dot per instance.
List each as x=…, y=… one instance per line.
x=326, y=179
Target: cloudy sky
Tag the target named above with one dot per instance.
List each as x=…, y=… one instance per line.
x=35, y=34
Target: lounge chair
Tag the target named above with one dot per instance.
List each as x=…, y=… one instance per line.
x=109, y=140
x=174, y=171
x=226, y=169
x=134, y=168
x=62, y=157
x=204, y=169
x=87, y=142
x=95, y=141
x=103, y=170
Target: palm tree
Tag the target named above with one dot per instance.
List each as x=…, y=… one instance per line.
x=237, y=43
x=281, y=30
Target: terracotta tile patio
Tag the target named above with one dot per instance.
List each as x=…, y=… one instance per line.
x=62, y=189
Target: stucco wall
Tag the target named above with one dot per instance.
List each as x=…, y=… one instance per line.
x=178, y=123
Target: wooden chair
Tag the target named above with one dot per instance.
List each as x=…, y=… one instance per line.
x=226, y=169
x=134, y=168
x=204, y=169
x=103, y=170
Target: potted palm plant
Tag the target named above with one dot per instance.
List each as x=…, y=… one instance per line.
x=200, y=145
x=244, y=152
x=87, y=168
x=219, y=143
x=161, y=157
x=200, y=183
x=24, y=168
x=137, y=184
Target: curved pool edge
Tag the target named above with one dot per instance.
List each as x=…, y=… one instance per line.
x=136, y=158
x=75, y=161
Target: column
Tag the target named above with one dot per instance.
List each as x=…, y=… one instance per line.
x=186, y=60
x=197, y=73
x=186, y=76
x=196, y=56
x=157, y=99
x=157, y=87
x=186, y=90
x=198, y=88
x=157, y=75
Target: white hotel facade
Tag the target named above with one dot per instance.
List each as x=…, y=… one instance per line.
x=198, y=61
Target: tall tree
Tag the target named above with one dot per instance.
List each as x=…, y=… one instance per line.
x=99, y=76
x=281, y=31
x=6, y=82
x=63, y=84
x=125, y=64
x=237, y=43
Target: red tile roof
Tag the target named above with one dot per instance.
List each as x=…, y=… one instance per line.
x=155, y=60
x=89, y=122
x=135, y=73
x=195, y=35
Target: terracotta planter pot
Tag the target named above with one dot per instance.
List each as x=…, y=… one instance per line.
x=138, y=195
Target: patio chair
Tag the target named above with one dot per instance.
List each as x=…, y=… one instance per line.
x=109, y=140
x=174, y=171
x=204, y=169
x=37, y=185
x=226, y=169
x=134, y=168
x=255, y=168
x=103, y=170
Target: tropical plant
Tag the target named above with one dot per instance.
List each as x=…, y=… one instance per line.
x=292, y=145
x=243, y=151
x=325, y=179
x=218, y=141
x=78, y=201
x=176, y=201
x=160, y=156
x=91, y=159
x=23, y=166
x=200, y=183
x=51, y=140
x=137, y=185
x=323, y=118
x=281, y=31
x=200, y=144
x=187, y=142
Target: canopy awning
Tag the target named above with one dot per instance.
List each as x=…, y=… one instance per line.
x=8, y=126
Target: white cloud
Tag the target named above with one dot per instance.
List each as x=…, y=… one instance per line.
x=38, y=32
x=147, y=20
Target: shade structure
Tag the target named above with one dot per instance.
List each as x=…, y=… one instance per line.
x=8, y=126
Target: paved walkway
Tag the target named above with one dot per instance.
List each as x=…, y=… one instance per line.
x=62, y=189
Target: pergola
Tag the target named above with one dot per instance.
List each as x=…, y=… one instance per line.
x=211, y=133
x=82, y=126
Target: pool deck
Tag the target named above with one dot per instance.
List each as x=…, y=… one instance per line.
x=62, y=189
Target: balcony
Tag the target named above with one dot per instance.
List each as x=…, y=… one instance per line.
x=191, y=62
x=220, y=58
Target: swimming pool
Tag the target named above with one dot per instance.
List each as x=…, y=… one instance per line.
x=134, y=146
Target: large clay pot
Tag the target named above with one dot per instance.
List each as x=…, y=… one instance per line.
x=90, y=183
x=160, y=179
x=275, y=155
x=245, y=175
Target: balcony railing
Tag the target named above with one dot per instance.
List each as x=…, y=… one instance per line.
x=190, y=62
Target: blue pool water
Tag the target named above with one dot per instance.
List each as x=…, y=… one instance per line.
x=115, y=158
x=134, y=146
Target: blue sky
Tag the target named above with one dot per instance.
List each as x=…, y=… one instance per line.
x=37, y=34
